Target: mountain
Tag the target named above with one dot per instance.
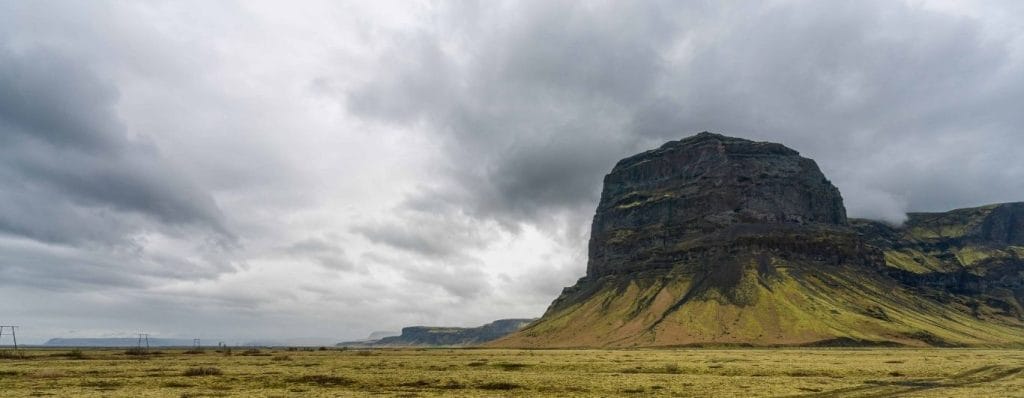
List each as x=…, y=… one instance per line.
x=976, y=252
x=714, y=240
x=445, y=336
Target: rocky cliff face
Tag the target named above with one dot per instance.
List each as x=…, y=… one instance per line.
x=977, y=252
x=720, y=240
x=685, y=194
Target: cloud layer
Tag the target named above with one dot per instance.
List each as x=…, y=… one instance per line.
x=347, y=167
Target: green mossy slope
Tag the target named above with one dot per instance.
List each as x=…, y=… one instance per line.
x=715, y=240
x=783, y=303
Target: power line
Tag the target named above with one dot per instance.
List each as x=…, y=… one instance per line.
x=143, y=337
x=14, y=335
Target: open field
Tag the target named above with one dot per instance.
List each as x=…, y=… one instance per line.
x=486, y=372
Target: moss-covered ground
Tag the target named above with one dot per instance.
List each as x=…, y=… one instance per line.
x=821, y=372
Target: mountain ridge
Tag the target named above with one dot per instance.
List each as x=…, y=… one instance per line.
x=444, y=336
x=714, y=240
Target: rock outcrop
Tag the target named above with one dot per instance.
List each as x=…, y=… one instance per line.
x=719, y=240
x=693, y=193
x=975, y=252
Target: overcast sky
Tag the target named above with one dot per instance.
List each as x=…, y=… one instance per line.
x=261, y=169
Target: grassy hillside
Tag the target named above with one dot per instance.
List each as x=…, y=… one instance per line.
x=942, y=279
x=781, y=303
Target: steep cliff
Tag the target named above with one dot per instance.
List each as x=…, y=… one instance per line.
x=977, y=253
x=713, y=240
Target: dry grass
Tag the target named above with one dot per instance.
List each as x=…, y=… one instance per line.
x=203, y=371
x=555, y=373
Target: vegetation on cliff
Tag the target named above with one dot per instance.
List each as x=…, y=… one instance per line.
x=713, y=240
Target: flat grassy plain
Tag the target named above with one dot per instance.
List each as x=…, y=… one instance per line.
x=825, y=372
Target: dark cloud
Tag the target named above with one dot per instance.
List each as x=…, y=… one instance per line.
x=412, y=238
x=322, y=251
x=70, y=167
x=536, y=102
x=430, y=230
x=53, y=268
x=188, y=164
x=28, y=266
x=51, y=98
x=528, y=102
x=84, y=199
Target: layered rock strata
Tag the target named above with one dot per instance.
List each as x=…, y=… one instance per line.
x=713, y=240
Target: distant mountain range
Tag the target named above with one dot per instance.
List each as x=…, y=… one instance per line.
x=444, y=336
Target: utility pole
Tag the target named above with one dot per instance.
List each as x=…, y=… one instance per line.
x=143, y=336
x=195, y=344
x=14, y=335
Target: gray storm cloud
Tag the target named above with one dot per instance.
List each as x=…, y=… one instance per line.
x=392, y=160
x=536, y=102
x=70, y=166
x=76, y=183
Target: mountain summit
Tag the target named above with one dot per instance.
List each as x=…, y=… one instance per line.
x=700, y=191
x=714, y=240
